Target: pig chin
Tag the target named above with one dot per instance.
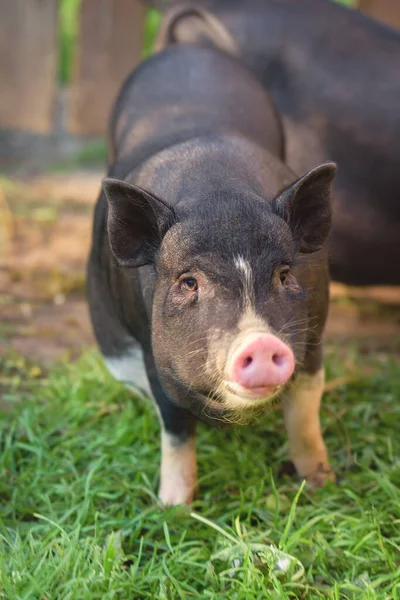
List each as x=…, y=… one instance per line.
x=226, y=406
x=221, y=404
x=228, y=403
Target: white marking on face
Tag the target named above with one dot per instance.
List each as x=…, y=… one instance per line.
x=221, y=344
x=250, y=322
x=129, y=369
x=244, y=268
x=301, y=411
x=230, y=397
x=178, y=477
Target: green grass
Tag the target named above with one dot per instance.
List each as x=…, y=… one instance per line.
x=68, y=18
x=93, y=154
x=80, y=518
x=151, y=25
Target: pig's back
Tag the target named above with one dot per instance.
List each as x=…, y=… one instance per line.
x=186, y=91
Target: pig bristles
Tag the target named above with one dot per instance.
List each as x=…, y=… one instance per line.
x=245, y=417
x=241, y=416
x=218, y=409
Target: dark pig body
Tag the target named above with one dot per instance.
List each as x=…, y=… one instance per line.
x=334, y=75
x=208, y=260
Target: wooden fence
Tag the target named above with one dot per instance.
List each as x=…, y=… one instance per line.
x=109, y=45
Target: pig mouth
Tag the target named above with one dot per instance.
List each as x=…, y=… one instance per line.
x=227, y=402
x=258, y=394
x=231, y=403
x=226, y=406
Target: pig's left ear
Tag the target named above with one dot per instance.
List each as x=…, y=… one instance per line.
x=306, y=207
x=137, y=222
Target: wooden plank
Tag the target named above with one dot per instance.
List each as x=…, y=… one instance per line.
x=161, y=5
x=109, y=46
x=387, y=11
x=28, y=64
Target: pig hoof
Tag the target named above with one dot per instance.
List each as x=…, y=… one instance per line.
x=321, y=475
x=172, y=494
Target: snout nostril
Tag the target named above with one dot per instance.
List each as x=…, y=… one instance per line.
x=278, y=359
x=247, y=361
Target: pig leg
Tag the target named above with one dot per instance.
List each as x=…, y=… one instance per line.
x=301, y=412
x=178, y=480
x=178, y=473
x=178, y=476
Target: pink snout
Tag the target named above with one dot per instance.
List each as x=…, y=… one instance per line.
x=260, y=364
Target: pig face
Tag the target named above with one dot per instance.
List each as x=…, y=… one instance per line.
x=229, y=313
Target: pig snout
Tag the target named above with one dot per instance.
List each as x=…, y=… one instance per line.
x=260, y=364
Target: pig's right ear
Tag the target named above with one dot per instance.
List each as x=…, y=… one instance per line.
x=137, y=221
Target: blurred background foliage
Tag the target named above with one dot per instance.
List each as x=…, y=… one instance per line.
x=69, y=22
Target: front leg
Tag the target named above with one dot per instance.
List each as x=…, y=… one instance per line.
x=178, y=473
x=178, y=476
x=307, y=449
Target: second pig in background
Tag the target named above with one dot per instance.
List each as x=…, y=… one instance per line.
x=334, y=76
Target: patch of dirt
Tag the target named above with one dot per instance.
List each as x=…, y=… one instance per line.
x=42, y=272
x=46, y=331
x=45, y=230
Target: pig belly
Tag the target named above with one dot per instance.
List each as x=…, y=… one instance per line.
x=128, y=368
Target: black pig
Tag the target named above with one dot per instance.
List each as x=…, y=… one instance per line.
x=334, y=75
x=208, y=259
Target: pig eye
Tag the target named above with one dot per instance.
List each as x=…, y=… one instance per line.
x=283, y=275
x=189, y=284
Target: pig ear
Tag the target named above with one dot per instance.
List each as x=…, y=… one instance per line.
x=136, y=222
x=306, y=207
x=193, y=25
